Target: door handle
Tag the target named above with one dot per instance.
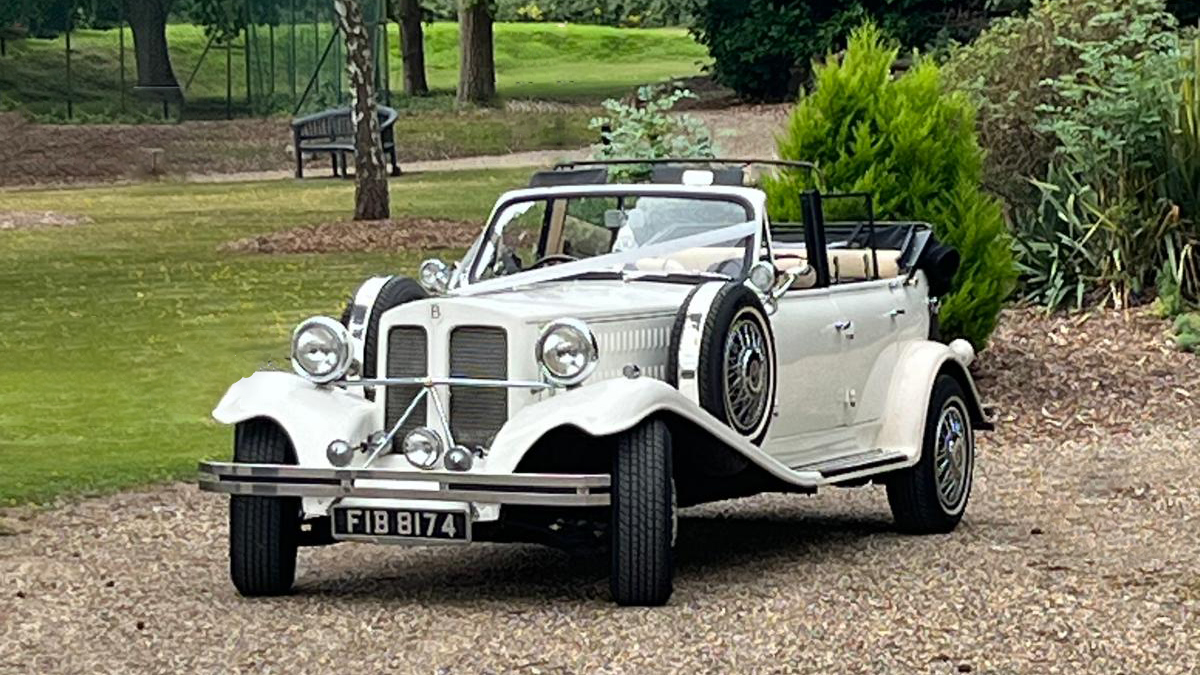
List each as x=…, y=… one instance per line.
x=897, y=312
x=846, y=328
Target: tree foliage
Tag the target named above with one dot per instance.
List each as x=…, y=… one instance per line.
x=642, y=13
x=913, y=147
x=48, y=18
x=762, y=48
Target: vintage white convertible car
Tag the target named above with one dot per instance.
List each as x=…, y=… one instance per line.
x=604, y=354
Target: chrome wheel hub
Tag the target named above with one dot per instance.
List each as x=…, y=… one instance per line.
x=747, y=374
x=952, y=457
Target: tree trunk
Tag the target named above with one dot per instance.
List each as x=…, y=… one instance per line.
x=477, y=64
x=412, y=46
x=370, y=177
x=148, y=20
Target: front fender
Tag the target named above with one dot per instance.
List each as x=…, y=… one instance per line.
x=312, y=416
x=918, y=368
x=604, y=409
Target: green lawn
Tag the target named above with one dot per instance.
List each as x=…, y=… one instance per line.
x=571, y=63
x=122, y=334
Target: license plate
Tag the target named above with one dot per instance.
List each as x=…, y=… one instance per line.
x=379, y=524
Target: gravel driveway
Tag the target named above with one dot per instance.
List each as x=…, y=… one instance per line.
x=1076, y=556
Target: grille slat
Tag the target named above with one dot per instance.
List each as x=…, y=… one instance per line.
x=407, y=355
x=476, y=414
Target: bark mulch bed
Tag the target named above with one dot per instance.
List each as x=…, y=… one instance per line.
x=403, y=234
x=46, y=154
x=1087, y=376
x=39, y=220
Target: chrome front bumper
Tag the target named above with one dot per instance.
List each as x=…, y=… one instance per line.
x=531, y=489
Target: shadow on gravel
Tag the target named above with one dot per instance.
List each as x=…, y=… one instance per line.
x=709, y=547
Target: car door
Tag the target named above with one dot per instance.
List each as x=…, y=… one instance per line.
x=808, y=355
x=874, y=320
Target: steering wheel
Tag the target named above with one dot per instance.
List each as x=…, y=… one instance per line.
x=552, y=259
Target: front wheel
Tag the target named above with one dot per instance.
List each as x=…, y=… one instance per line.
x=643, y=517
x=930, y=497
x=264, y=532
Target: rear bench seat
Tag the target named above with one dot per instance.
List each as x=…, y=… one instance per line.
x=845, y=265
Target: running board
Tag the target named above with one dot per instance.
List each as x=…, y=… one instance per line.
x=861, y=461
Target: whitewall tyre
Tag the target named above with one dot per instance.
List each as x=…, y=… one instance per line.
x=931, y=496
x=737, y=370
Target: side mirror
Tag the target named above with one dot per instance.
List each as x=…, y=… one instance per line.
x=781, y=286
x=762, y=277
x=434, y=276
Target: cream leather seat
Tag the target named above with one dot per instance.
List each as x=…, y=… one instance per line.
x=855, y=265
x=845, y=265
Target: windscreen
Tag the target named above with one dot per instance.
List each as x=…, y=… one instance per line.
x=670, y=230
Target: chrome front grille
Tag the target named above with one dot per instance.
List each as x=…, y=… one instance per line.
x=476, y=413
x=407, y=354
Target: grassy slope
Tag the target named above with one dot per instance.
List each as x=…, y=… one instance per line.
x=545, y=61
x=121, y=335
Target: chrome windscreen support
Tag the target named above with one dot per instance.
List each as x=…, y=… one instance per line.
x=442, y=417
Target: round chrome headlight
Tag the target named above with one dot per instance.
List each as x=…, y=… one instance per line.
x=423, y=447
x=321, y=350
x=568, y=351
x=434, y=276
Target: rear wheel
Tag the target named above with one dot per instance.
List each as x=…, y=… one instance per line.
x=263, y=531
x=643, y=517
x=931, y=496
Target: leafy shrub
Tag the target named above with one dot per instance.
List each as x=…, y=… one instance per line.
x=1006, y=67
x=1187, y=332
x=1103, y=224
x=762, y=48
x=1083, y=240
x=913, y=147
x=1181, y=183
x=1052, y=252
x=645, y=128
x=1108, y=114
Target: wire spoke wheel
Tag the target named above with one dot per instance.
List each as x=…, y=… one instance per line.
x=747, y=372
x=951, y=459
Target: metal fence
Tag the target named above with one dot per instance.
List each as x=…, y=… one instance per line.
x=277, y=56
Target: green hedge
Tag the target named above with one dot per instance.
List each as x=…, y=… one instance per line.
x=762, y=48
x=914, y=148
x=628, y=13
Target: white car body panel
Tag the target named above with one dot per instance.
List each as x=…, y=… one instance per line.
x=311, y=415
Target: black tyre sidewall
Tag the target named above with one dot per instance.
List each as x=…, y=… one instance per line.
x=913, y=492
x=643, y=517
x=264, y=532
x=729, y=302
x=395, y=292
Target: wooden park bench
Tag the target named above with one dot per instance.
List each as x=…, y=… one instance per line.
x=332, y=131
